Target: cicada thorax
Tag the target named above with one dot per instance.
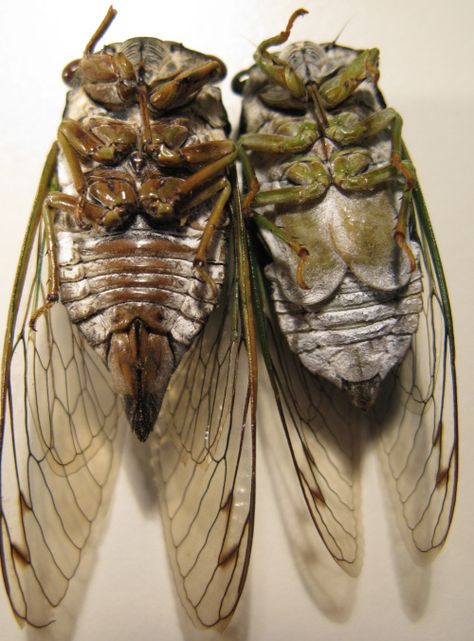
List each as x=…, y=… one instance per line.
x=129, y=226
x=350, y=309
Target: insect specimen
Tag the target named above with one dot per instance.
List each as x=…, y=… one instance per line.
x=131, y=296
x=353, y=310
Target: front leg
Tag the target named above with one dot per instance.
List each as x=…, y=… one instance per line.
x=277, y=69
x=336, y=90
x=179, y=90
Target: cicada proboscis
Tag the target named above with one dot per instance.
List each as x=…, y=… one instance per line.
x=131, y=297
x=351, y=303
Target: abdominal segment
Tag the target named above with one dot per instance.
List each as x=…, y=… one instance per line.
x=138, y=301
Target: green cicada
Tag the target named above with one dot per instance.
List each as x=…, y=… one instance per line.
x=350, y=295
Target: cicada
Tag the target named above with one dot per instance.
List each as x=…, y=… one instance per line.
x=131, y=297
x=350, y=296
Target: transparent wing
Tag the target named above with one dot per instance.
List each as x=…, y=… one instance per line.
x=205, y=455
x=321, y=428
x=59, y=421
x=417, y=412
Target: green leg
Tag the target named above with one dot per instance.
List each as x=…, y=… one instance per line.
x=343, y=130
x=250, y=178
x=299, y=249
x=334, y=91
x=275, y=68
x=311, y=178
x=290, y=137
x=349, y=172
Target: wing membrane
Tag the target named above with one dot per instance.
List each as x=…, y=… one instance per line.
x=417, y=414
x=320, y=427
x=59, y=425
x=205, y=455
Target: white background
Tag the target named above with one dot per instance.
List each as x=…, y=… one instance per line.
x=426, y=74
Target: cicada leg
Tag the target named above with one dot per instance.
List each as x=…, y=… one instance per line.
x=161, y=195
x=336, y=90
x=345, y=130
x=116, y=197
x=308, y=173
x=184, y=85
x=223, y=186
x=330, y=93
x=103, y=140
x=107, y=78
x=191, y=155
x=349, y=167
x=311, y=180
x=207, y=173
x=101, y=29
x=51, y=204
x=251, y=180
x=166, y=197
x=289, y=136
x=276, y=69
x=300, y=250
x=72, y=67
x=405, y=167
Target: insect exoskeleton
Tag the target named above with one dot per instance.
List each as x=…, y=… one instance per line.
x=324, y=147
x=132, y=291
x=355, y=283
x=139, y=220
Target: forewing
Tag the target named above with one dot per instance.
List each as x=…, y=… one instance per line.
x=205, y=455
x=59, y=424
x=417, y=412
x=321, y=428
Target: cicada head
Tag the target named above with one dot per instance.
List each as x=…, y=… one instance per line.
x=309, y=60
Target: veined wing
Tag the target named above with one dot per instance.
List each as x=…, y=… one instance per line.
x=321, y=429
x=205, y=452
x=417, y=414
x=59, y=419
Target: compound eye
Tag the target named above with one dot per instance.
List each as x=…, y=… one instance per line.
x=69, y=73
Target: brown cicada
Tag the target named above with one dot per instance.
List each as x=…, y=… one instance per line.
x=350, y=296
x=131, y=298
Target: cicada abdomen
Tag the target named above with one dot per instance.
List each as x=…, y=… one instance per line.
x=355, y=280
x=128, y=294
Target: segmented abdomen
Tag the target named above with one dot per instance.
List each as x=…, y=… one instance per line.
x=358, y=335
x=108, y=281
